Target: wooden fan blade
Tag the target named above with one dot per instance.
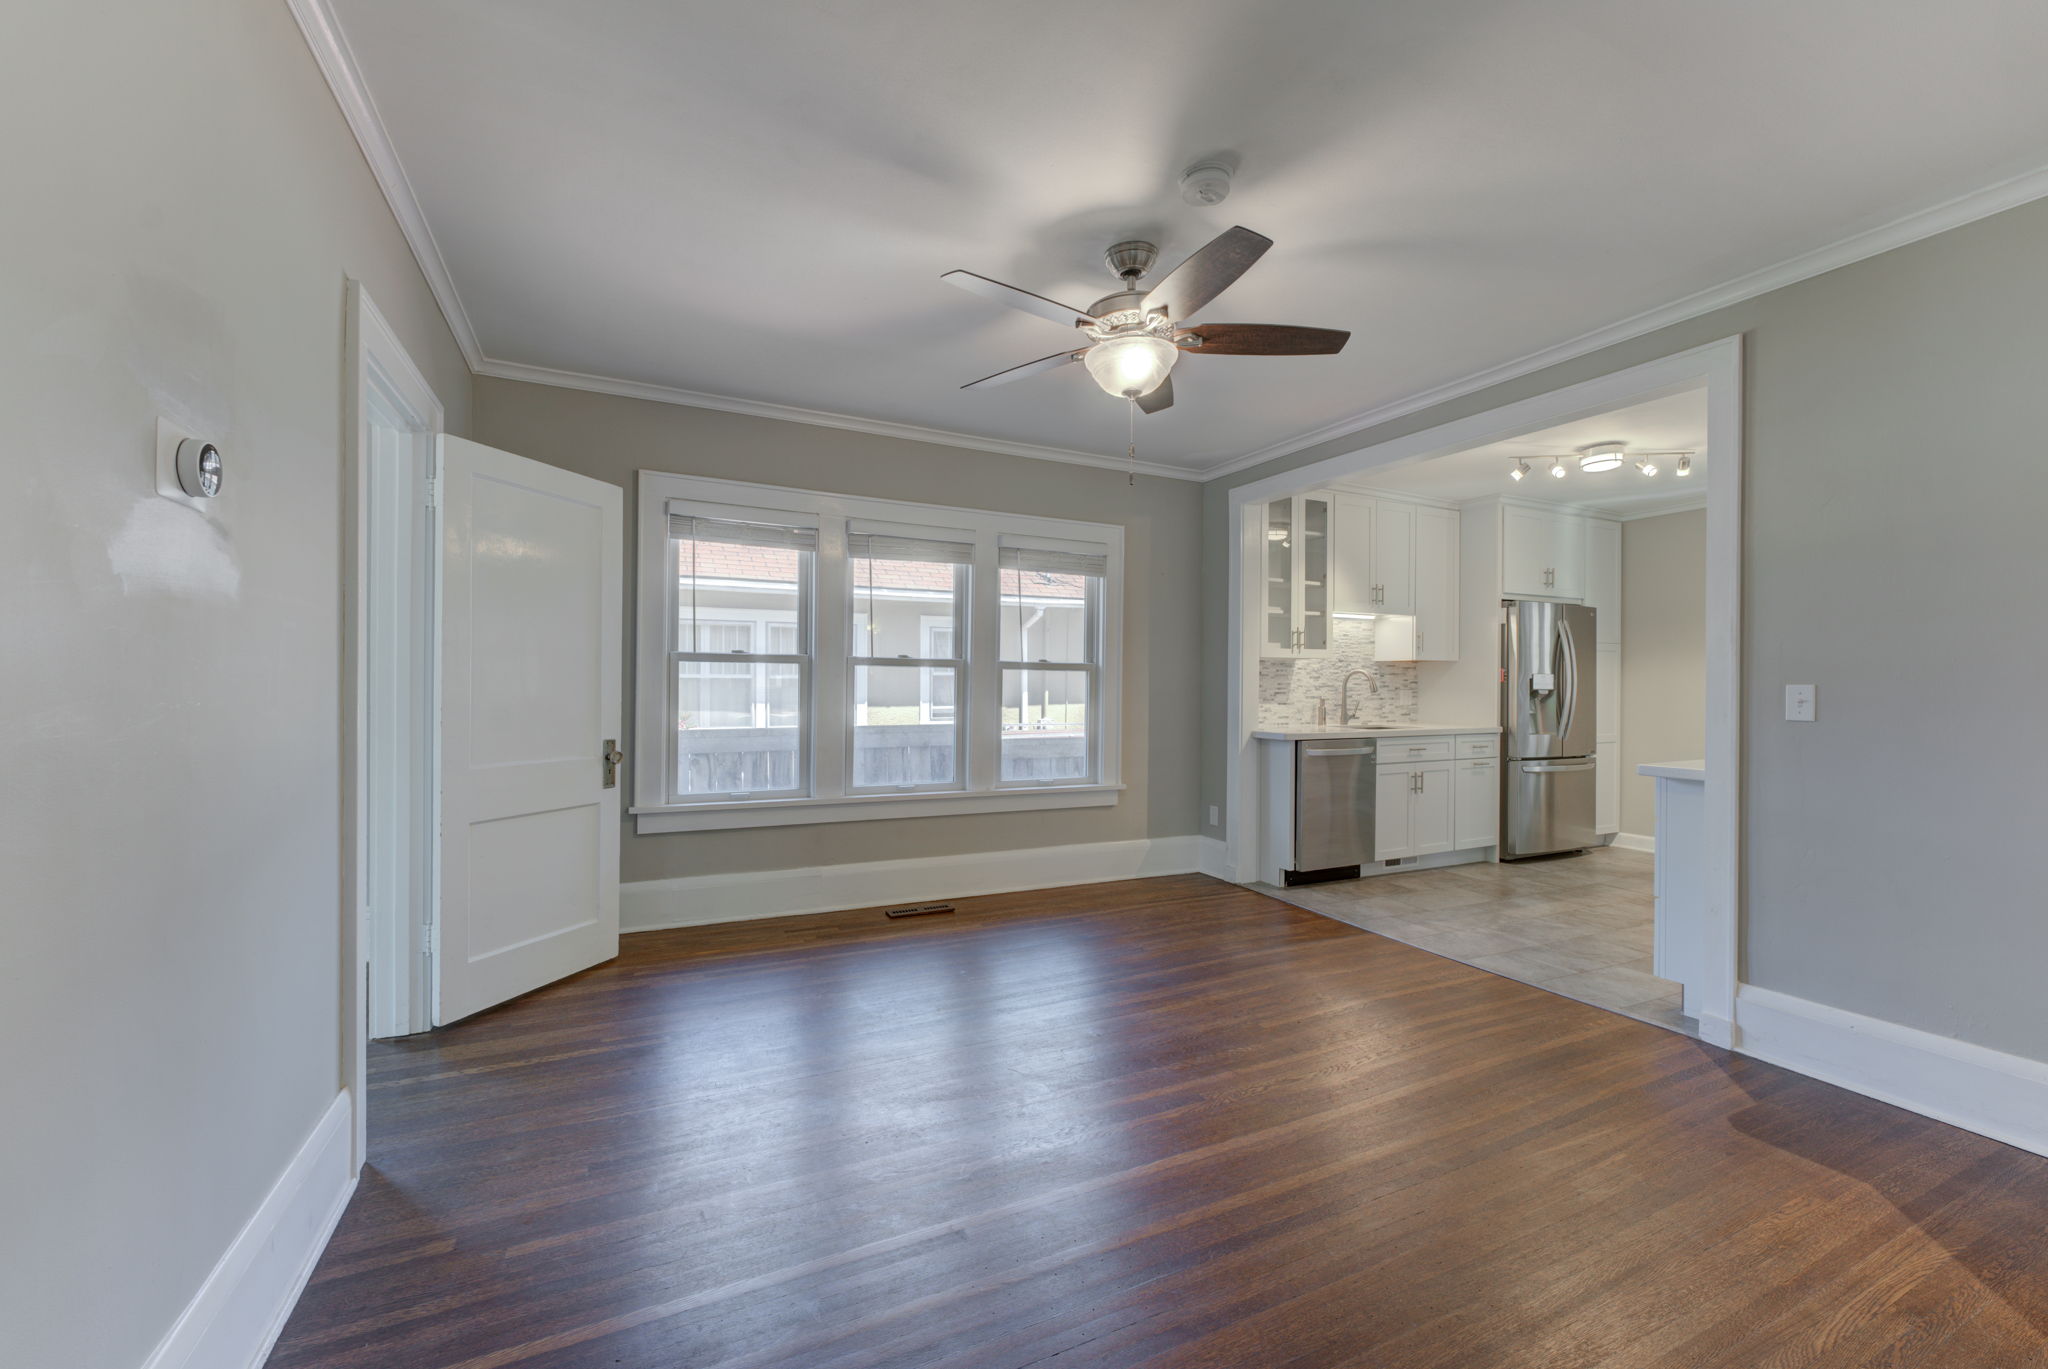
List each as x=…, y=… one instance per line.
x=1019, y=299
x=1265, y=340
x=1208, y=273
x=1160, y=398
x=1029, y=368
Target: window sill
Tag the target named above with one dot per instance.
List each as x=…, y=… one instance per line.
x=713, y=817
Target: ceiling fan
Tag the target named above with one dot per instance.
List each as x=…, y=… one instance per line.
x=1136, y=336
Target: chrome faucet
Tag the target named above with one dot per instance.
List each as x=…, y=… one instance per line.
x=1372, y=679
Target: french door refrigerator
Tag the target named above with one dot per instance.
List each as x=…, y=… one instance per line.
x=1548, y=787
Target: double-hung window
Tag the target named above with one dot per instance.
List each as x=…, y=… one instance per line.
x=810, y=657
x=740, y=655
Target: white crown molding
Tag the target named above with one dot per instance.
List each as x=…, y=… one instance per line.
x=754, y=408
x=323, y=34
x=1681, y=504
x=1925, y=223
x=338, y=64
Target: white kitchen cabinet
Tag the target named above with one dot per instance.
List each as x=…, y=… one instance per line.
x=1542, y=553
x=1415, y=815
x=1607, y=739
x=1393, y=556
x=1477, y=793
x=1603, y=577
x=1430, y=632
x=1299, y=568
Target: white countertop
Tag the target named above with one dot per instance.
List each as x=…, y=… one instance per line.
x=1310, y=734
x=1674, y=770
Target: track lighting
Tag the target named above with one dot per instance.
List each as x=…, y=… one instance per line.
x=1556, y=468
x=1601, y=456
x=1684, y=465
x=1521, y=469
x=1646, y=465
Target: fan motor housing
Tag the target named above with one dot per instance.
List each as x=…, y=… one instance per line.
x=1131, y=258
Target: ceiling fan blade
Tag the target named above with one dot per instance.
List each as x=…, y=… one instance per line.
x=1266, y=340
x=1029, y=368
x=1019, y=299
x=1208, y=273
x=1161, y=397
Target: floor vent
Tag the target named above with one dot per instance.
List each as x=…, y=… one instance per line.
x=921, y=910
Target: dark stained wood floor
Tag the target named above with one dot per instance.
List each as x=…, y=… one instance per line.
x=1162, y=1123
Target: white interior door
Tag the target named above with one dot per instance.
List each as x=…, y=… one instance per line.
x=530, y=660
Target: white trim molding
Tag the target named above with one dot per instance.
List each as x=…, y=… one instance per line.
x=345, y=78
x=1632, y=841
x=1213, y=857
x=700, y=900
x=2004, y=1097
x=235, y=1317
x=789, y=413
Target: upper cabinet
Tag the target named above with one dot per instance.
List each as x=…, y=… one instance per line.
x=1398, y=561
x=1542, y=553
x=1603, y=577
x=1299, y=569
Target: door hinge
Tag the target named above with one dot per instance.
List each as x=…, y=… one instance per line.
x=433, y=492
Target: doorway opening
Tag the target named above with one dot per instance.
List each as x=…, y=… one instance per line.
x=395, y=422
x=1437, y=720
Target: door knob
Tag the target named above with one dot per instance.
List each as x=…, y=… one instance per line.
x=612, y=758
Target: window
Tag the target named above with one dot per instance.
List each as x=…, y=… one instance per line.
x=808, y=657
x=1050, y=631
x=742, y=592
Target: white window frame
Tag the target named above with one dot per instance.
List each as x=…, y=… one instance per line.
x=827, y=737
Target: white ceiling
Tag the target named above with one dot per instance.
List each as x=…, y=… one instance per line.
x=1674, y=423
x=755, y=200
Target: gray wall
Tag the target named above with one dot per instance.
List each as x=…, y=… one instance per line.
x=1894, y=498
x=1663, y=653
x=184, y=203
x=613, y=439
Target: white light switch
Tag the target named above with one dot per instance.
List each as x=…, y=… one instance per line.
x=1798, y=703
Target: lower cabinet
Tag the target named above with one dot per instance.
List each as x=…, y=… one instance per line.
x=1477, y=821
x=1415, y=815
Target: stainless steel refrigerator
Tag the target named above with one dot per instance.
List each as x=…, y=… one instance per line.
x=1548, y=787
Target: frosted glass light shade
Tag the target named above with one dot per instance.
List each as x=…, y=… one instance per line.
x=1130, y=366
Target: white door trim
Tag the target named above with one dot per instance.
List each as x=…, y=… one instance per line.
x=374, y=356
x=1717, y=366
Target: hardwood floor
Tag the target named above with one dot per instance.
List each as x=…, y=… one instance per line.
x=1168, y=1122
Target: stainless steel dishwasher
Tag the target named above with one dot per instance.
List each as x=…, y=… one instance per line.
x=1334, y=783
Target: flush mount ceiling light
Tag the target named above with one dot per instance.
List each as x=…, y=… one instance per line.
x=1520, y=471
x=1602, y=456
x=1136, y=335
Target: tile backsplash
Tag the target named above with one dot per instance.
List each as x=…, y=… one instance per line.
x=1288, y=689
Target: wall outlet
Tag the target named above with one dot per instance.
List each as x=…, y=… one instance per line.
x=1798, y=703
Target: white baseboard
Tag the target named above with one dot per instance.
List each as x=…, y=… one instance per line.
x=1213, y=858
x=699, y=900
x=1629, y=841
x=235, y=1317
x=1973, y=1087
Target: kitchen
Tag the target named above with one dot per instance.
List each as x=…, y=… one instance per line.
x=1465, y=663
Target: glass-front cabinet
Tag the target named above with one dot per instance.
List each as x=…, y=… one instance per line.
x=1300, y=556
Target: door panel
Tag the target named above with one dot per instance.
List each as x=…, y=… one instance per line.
x=1393, y=830
x=1393, y=555
x=1478, y=803
x=531, y=621
x=1431, y=822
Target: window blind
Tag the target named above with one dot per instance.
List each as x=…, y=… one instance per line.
x=1051, y=561
x=691, y=527
x=880, y=546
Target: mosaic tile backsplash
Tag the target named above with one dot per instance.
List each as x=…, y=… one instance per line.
x=1288, y=690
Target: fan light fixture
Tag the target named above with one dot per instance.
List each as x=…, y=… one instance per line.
x=1130, y=364
x=1602, y=456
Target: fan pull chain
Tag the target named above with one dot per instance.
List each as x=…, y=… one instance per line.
x=1132, y=453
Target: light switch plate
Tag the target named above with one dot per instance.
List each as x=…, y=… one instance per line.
x=1798, y=703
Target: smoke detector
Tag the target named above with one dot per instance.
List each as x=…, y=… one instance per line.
x=1205, y=183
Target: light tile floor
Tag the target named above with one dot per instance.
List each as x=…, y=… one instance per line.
x=1575, y=925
